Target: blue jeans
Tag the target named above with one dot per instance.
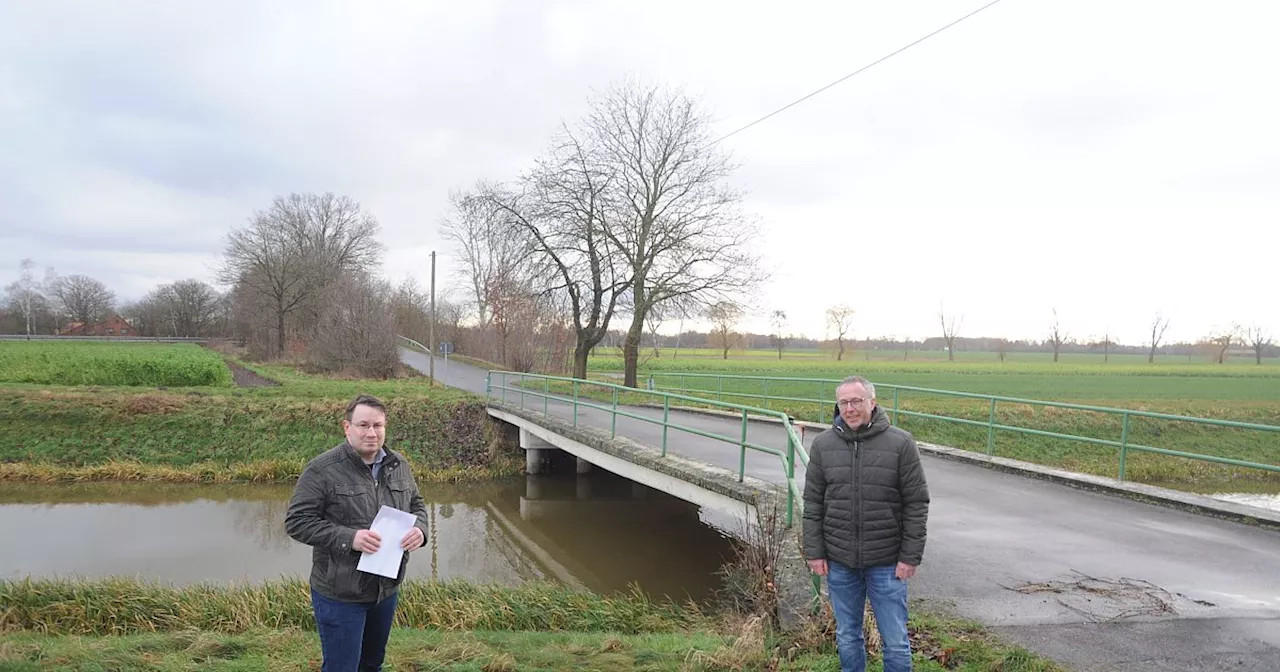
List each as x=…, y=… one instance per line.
x=849, y=590
x=353, y=635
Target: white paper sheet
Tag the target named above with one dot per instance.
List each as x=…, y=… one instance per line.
x=390, y=524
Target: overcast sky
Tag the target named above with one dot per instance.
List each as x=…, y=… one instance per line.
x=1110, y=159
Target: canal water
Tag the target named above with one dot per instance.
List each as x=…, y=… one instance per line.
x=596, y=531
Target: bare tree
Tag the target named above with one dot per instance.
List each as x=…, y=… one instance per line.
x=1056, y=335
x=25, y=294
x=724, y=316
x=83, y=299
x=839, y=320
x=653, y=323
x=193, y=307
x=1257, y=338
x=950, y=327
x=778, y=319
x=1002, y=346
x=184, y=308
x=1219, y=343
x=1158, y=327
x=356, y=331
x=679, y=228
x=487, y=242
x=291, y=253
x=563, y=210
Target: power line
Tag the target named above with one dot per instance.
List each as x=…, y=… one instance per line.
x=859, y=70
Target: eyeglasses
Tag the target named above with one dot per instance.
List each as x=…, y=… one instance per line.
x=851, y=403
x=365, y=426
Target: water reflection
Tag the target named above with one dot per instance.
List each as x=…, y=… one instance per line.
x=597, y=531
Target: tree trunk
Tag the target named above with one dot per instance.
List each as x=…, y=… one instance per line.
x=1257, y=355
x=631, y=351
x=1151, y=357
x=840, y=354
x=280, y=333
x=1055, y=354
x=580, y=359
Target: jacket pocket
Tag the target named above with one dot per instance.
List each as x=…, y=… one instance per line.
x=401, y=492
x=349, y=505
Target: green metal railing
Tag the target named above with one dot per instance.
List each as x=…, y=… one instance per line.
x=501, y=384
x=827, y=390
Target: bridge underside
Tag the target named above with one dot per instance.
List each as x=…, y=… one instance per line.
x=547, y=442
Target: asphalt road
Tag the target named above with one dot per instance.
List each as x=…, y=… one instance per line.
x=1094, y=581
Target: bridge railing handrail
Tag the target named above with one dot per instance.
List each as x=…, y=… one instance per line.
x=794, y=451
x=1123, y=444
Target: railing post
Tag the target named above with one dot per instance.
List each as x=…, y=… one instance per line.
x=766, y=394
x=742, y=454
x=546, y=394
x=651, y=382
x=1124, y=442
x=666, y=418
x=991, y=429
x=504, y=387
x=613, y=431
x=521, y=391
x=791, y=473
x=895, y=406
x=575, y=403
x=720, y=388
x=488, y=385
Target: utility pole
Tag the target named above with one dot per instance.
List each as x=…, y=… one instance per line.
x=431, y=338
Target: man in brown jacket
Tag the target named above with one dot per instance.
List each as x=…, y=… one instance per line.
x=866, y=506
x=333, y=505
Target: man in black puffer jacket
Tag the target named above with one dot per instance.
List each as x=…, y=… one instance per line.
x=866, y=505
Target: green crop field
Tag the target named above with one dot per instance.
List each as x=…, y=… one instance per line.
x=1123, y=381
x=1238, y=392
x=113, y=364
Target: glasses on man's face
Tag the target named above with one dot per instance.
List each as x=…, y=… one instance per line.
x=366, y=426
x=850, y=403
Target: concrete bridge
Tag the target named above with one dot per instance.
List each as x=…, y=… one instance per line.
x=1094, y=574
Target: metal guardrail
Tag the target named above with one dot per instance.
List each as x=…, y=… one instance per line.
x=1124, y=445
x=502, y=382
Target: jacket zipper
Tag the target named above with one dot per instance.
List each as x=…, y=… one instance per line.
x=857, y=506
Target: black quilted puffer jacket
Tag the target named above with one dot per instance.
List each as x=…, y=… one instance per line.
x=866, y=502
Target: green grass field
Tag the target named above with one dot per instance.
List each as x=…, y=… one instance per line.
x=111, y=364
x=1239, y=392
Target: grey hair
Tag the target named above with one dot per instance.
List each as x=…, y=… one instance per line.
x=871, y=389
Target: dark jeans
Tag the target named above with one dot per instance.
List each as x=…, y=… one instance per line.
x=353, y=635
x=849, y=590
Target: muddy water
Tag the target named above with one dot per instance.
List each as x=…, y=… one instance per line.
x=596, y=531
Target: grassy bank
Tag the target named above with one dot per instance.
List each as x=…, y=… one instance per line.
x=120, y=624
x=127, y=606
x=214, y=434
x=72, y=433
